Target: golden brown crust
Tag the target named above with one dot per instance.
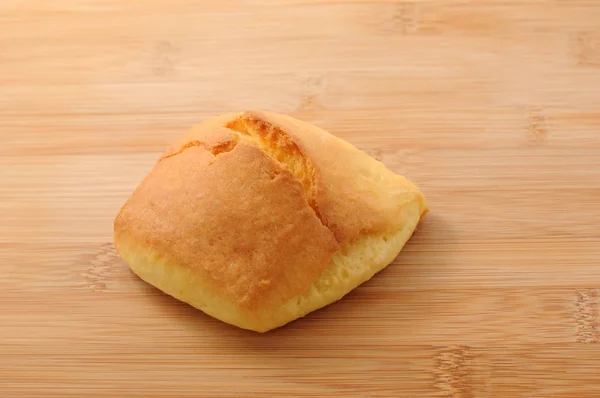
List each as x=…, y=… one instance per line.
x=352, y=193
x=254, y=204
x=237, y=219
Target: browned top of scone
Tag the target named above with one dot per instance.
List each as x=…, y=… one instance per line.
x=238, y=219
x=256, y=203
x=351, y=192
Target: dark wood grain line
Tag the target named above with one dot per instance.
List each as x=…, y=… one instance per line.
x=405, y=18
x=100, y=267
x=587, y=46
x=586, y=315
x=538, y=127
x=453, y=372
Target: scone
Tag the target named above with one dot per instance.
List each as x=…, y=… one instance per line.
x=258, y=219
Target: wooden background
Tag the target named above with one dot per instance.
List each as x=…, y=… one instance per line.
x=492, y=107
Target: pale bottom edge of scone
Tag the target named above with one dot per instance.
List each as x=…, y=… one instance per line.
x=349, y=267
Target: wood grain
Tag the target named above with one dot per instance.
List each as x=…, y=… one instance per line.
x=492, y=107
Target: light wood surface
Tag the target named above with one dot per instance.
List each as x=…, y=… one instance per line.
x=491, y=107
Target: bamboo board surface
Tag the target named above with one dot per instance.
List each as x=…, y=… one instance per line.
x=491, y=107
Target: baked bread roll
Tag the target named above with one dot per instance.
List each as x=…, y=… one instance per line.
x=258, y=219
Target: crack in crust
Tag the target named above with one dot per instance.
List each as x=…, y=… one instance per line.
x=282, y=148
x=273, y=142
x=214, y=149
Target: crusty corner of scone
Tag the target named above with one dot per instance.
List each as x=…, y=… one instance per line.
x=258, y=219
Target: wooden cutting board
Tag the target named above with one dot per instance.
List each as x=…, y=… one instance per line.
x=491, y=107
